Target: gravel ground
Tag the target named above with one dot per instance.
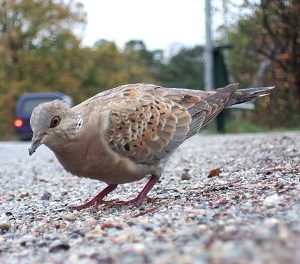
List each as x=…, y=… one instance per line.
x=221, y=199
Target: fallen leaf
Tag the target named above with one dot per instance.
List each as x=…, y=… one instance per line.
x=111, y=225
x=214, y=172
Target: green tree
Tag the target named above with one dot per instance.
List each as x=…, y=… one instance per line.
x=138, y=62
x=104, y=67
x=242, y=61
x=184, y=69
x=27, y=24
x=266, y=51
x=31, y=33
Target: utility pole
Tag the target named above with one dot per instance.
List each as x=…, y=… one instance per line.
x=225, y=21
x=208, y=51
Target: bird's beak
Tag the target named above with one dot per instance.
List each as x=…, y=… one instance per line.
x=35, y=143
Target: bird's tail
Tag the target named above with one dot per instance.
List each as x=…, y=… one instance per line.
x=248, y=94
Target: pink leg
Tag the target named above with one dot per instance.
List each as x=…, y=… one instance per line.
x=98, y=199
x=143, y=194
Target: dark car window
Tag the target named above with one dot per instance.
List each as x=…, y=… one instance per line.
x=30, y=104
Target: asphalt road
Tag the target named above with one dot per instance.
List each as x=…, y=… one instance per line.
x=221, y=199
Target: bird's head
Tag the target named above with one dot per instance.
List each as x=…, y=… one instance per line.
x=53, y=123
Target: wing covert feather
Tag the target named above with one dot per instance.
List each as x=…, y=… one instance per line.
x=141, y=127
x=148, y=122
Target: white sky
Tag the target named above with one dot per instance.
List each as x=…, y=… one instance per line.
x=159, y=23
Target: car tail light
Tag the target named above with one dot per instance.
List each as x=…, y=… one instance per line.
x=18, y=122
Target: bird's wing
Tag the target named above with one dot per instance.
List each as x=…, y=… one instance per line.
x=147, y=122
x=210, y=105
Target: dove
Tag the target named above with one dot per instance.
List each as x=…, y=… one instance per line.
x=128, y=133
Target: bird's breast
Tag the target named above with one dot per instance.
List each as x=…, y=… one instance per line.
x=95, y=160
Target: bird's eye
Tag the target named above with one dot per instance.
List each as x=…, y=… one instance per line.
x=55, y=121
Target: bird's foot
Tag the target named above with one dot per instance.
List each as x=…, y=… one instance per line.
x=143, y=194
x=98, y=199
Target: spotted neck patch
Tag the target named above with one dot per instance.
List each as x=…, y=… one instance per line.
x=79, y=123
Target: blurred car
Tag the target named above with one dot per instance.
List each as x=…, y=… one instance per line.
x=26, y=103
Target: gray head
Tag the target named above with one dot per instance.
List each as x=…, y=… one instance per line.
x=52, y=124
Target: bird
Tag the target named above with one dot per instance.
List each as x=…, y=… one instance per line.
x=128, y=133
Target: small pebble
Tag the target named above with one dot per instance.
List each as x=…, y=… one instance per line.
x=24, y=194
x=70, y=217
x=185, y=176
x=59, y=247
x=46, y=196
x=272, y=200
x=5, y=225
